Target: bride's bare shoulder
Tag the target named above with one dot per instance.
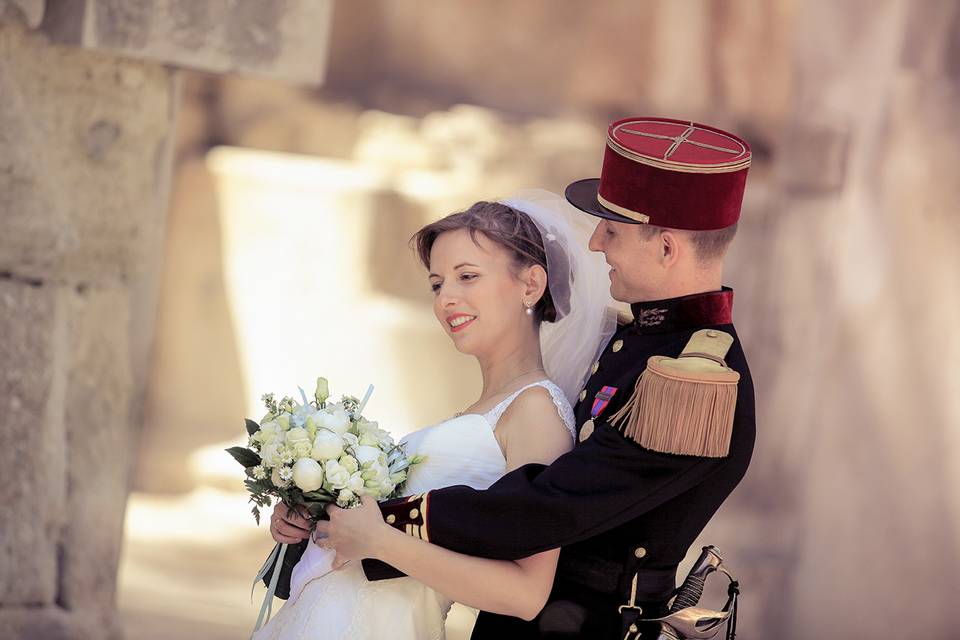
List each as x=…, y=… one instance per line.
x=531, y=429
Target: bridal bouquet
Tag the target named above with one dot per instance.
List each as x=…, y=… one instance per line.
x=315, y=452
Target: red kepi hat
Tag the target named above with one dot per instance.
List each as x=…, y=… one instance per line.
x=668, y=173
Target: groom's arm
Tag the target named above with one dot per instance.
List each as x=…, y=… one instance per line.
x=605, y=481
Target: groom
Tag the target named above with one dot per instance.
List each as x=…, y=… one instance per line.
x=665, y=422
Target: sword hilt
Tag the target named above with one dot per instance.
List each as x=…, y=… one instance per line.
x=689, y=593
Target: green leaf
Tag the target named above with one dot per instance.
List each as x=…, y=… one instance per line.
x=318, y=495
x=244, y=456
x=252, y=427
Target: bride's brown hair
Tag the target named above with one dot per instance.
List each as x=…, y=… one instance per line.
x=505, y=226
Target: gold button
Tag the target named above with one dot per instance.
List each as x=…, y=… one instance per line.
x=617, y=345
x=596, y=365
x=391, y=519
x=712, y=334
x=583, y=394
x=414, y=514
x=640, y=552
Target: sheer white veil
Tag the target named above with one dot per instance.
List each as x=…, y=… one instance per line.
x=578, y=283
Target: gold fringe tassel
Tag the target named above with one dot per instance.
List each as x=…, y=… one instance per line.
x=682, y=413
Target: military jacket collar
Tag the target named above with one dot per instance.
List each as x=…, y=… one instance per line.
x=686, y=312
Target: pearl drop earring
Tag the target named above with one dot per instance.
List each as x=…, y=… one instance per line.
x=529, y=308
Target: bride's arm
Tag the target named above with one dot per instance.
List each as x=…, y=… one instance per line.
x=530, y=431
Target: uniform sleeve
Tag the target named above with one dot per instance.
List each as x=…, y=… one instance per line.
x=604, y=482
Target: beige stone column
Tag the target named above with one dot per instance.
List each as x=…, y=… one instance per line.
x=84, y=172
x=88, y=102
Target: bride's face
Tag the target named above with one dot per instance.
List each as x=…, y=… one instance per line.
x=477, y=298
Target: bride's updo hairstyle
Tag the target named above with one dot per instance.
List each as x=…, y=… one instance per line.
x=512, y=230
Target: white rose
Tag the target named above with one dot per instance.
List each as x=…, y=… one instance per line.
x=366, y=454
x=350, y=463
x=335, y=418
x=271, y=454
x=322, y=391
x=269, y=431
x=299, y=441
x=308, y=474
x=355, y=483
x=327, y=446
x=337, y=475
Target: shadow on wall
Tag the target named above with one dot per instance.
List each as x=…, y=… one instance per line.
x=196, y=354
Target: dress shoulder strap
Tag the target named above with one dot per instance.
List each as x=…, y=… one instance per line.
x=556, y=394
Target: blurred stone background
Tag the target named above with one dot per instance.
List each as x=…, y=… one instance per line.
x=204, y=201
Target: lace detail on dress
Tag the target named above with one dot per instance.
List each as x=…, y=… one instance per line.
x=556, y=394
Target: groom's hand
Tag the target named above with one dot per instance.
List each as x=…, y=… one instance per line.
x=288, y=526
x=354, y=533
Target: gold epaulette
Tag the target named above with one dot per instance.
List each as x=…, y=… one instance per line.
x=684, y=405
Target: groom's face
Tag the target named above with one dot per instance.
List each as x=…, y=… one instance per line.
x=636, y=264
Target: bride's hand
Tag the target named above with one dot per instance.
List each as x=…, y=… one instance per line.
x=354, y=533
x=288, y=526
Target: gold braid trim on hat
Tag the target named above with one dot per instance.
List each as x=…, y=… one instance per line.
x=642, y=218
x=681, y=167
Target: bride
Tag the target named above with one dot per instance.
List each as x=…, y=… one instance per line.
x=515, y=287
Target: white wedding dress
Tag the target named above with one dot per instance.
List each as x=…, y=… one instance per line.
x=342, y=604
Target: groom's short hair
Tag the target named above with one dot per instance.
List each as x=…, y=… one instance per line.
x=710, y=246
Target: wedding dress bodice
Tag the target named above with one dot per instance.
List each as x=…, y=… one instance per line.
x=462, y=450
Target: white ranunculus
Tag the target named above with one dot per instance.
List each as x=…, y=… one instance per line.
x=271, y=454
x=308, y=474
x=337, y=475
x=335, y=418
x=350, y=463
x=299, y=442
x=366, y=454
x=375, y=473
x=327, y=446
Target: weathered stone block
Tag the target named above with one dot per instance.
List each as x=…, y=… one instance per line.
x=284, y=40
x=32, y=445
x=85, y=163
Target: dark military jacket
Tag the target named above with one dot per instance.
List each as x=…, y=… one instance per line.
x=617, y=509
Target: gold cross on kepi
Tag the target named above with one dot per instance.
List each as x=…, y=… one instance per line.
x=681, y=139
